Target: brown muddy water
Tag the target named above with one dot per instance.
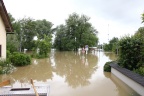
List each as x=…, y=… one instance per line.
x=71, y=74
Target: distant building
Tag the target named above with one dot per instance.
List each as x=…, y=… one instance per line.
x=5, y=28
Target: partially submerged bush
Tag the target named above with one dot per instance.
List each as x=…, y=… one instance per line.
x=20, y=59
x=107, y=67
x=5, y=66
x=42, y=48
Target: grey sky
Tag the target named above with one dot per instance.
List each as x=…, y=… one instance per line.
x=122, y=16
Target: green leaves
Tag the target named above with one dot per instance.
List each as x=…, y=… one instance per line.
x=131, y=55
x=77, y=32
x=44, y=47
x=20, y=59
x=142, y=18
x=44, y=27
x=112, y=46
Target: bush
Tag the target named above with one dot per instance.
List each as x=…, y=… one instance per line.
x=2, y=63
x=8, y=54
x=5, y=66
x=131, y=56
x=107, y=67
x=42, y=48
x=20, y=59
x=140, y=71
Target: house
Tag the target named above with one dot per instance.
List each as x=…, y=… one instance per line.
x=5, y=28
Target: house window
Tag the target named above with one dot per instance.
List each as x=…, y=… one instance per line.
x=0, y=50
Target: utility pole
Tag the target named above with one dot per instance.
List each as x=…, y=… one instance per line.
x=108, y=32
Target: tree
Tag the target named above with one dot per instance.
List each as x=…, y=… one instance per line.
x=142, y=18
x=12, y=19
x=26, y=33
x=77, y=32
x=140, y=33
x=12, y=41
x=44, y=27
x=60, y=39
x=43, y=47
x=107, y=47
x=112, y=46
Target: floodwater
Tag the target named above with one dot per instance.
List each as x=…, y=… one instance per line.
x=71, y=74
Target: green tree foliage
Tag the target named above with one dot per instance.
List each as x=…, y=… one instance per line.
x=12, y=41
x=140, y=33
x=43, y=47
x=25, y=30
x=76, y=33
x=26, y=33
x=12, y=19
x=61, y=38
x=131, y=56
x=107, y=47
x=131, y=51
x=43, y=28
x=112, y=46
x=142, y=18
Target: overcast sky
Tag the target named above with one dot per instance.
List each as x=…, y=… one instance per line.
x=114, y=17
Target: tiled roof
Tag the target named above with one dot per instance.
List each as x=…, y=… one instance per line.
x=132, y=75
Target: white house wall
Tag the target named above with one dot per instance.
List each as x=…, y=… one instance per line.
x=134, y=85
x=2, y=39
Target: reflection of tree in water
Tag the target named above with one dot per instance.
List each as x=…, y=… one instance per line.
x=70, y=65
x=40, y=71
x=66, y=64
x=111, y=55
x=107, y=74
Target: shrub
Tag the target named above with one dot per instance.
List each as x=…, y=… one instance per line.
x=140, y=71
x=5, y=66
x=107, y=67
x=131, y=56
x=20, y=59
x=8, y=54
x=42, y=48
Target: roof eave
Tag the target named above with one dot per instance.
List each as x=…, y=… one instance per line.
x=5, y=17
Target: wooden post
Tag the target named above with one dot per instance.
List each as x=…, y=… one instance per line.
x=34, y=88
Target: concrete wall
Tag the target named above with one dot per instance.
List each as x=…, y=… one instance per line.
x=2, y=39
x=134, y=85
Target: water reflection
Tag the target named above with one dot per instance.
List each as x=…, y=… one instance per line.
x=77, y=69
x=71, y=74
x=40, y=72
x=111, y=55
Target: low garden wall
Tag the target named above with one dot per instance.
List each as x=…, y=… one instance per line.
x=135, y=81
